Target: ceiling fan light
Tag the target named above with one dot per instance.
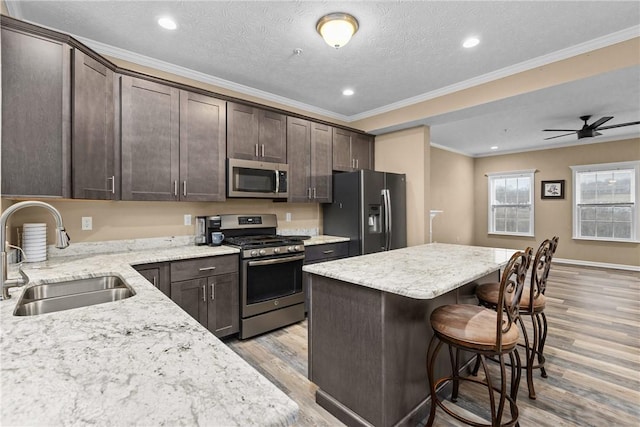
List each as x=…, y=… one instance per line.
x=337, y=28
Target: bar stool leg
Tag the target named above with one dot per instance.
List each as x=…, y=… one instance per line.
x=530, y=352
x=432, y=353
x=454, y=374
x=543, y=339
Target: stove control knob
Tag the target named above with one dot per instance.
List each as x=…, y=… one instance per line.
x=254, y=253
x=290, y=248
x=263, y=252
x=297, y=248
x=276, y=250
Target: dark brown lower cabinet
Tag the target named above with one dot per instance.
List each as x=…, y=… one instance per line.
x=314, y=254
x=157, y=274
x=211, y=294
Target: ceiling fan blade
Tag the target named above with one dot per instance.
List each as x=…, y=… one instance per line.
x=600, y=121
x=619, y=125
x=596, y=133
x=560, y=136
x=560, y=130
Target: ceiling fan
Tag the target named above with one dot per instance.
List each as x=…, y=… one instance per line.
x=589, y=131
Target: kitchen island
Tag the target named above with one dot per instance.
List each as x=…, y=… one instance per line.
x=137, y=361
x=369, y=326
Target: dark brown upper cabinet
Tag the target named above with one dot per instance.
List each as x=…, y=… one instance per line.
x=203, y=137
x=309, y=155
x=95, y=162
x=150, y=140
x=351, y=151
x=173, y=143
x=36, y=116
x=256, y=134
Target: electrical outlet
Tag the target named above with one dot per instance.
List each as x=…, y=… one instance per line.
x=87, y=223
x=288, y=217
x=187, y=219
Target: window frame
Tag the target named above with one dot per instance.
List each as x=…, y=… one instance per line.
x=528, y=173
x=635, y=214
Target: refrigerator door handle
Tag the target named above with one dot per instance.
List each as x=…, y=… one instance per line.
x=386, y=197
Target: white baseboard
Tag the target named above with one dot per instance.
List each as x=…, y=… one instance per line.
x=597, y=264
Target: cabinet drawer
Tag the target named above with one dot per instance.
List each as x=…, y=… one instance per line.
x=203, y=267
x=318, y=253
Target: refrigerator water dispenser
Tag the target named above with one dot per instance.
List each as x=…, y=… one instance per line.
x=375, y=225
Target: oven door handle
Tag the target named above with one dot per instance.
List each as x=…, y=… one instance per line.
x=276, y=261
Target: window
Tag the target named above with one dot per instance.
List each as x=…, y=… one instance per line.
x=511, y=203
x=605, y=201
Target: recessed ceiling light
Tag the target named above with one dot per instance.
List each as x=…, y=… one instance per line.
x=494, y=147
x=348, y=92
x=167, y=23
x=470, y=42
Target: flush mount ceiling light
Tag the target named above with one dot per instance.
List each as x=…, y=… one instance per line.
x=470, y=42
x=348, y=92
x=337, y=28
x=167, y=23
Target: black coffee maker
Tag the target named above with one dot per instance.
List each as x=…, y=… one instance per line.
x=208, y=230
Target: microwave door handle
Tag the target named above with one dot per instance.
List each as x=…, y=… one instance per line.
x=277, y=172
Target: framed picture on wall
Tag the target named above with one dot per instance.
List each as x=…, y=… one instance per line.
x=553, y=189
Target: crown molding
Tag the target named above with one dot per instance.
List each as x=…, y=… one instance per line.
x=116, y=52
x=588, y=46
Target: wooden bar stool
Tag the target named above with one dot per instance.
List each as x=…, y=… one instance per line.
x=532, y=305
x=485, y=332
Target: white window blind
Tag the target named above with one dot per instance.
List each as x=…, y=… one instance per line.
x=605, y=201
x=511, y=208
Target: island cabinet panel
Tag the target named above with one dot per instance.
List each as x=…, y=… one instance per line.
x=256, y=134
x=215, y=303
x=367, y=350
x=94, y=171
x=36, y=116
x=314, y=254
x=150, y=140
x=157, y=274
x=203, y=130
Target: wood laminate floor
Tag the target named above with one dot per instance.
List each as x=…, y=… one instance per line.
x=593, y=357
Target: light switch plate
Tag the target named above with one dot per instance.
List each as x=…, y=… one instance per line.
x=187, y=219
x=288, y=217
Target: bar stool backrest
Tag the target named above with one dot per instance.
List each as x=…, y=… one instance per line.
x=511, y=286
x=540, y=269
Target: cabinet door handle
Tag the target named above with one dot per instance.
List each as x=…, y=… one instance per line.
x=175, y=188
x=256, y=150
x=155, y=281
x=328, y=252
x=113, y=184
x=353, y=163
x=206, y=268
x=213, y=291
x=184, y=188
x=357, y=163
x=309, y=193
x=262, y=150
x=314, y=192
x=204, y=293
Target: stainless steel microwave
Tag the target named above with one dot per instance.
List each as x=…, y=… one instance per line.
x=255, y=179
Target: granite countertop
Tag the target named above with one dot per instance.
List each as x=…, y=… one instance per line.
x=324, y=239
x=420, y=272
x=137, y=361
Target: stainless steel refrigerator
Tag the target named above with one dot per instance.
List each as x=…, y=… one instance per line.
x=370, y=208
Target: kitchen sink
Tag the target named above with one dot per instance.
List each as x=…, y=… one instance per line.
x=51, y=297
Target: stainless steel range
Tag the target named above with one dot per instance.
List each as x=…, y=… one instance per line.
x=270, y=273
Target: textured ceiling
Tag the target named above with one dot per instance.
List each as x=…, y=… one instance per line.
x=402, y=49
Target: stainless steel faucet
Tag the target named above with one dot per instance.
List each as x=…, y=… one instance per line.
x=62, y=241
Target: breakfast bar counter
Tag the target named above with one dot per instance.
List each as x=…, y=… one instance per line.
x=369, y=326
